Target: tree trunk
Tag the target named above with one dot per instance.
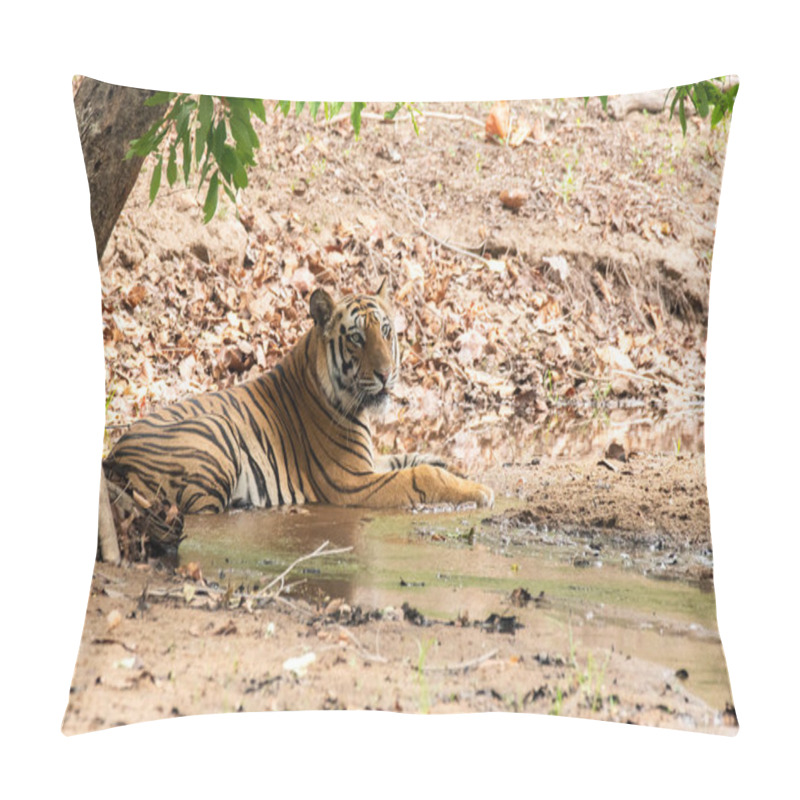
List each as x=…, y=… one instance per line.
x=106, y=530
x=108, y=118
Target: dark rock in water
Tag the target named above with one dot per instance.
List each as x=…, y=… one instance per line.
x=497, y=624
x=520, y=597
x=412, y=615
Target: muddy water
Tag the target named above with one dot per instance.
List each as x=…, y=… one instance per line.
x=442, y=565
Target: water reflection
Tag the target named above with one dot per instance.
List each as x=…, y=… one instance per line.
x=570, y=433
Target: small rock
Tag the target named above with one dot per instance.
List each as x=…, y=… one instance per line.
x=513, y=199
x=616, y=451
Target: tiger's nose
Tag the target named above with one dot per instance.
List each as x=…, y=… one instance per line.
x=382, y=375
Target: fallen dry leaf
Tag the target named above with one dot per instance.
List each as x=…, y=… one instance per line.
x=614, y=358
x=471, y=346
x=600, y=282
x=498, y=120
x=519, y=134
x=136, y=295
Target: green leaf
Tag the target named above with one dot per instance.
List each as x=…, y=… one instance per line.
x=257, y=107
x=144, y=145
x=313, y=108
x=239, y=129
x=212, y=197
x=393, y=113
x=228, y=162
x=240, y=177
x=218, y=137
x=205, y=110
x=713, y=94
x=414, y=120
x=237, y=106
x=184, y=117
x=155, y=181
x=285, y=106
x=244, y=136
x=159, y=99
x=298, y=107
x=700, y=100
x=355, y=118
x=229, y=193
x=680, y=94
x=187, y=157
x=176, y=106
x=682, y=115
x=172, y=165
x=604, y=101
x=204, y=114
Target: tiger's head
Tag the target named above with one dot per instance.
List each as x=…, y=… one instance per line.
x=358, y=358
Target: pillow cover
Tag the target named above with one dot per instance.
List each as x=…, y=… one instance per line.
x=435, y=372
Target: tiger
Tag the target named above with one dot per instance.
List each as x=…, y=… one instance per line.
x=299, y=433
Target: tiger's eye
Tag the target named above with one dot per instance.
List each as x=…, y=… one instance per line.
x=356, y=339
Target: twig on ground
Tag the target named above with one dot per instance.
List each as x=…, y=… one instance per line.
x=462, y=666
x=280, y=579
x=293, y=606
x=406, y=117
x=420, y=225
x=362, y=651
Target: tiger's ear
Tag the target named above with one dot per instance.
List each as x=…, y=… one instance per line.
x=321, y=306
x=383, y=291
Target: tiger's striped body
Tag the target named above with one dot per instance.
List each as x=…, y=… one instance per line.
x=298, y=434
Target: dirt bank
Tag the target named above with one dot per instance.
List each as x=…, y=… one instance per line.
x=651, y=509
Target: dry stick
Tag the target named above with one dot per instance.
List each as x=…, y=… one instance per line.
x=449, y=246
x=362, y=651
x=441, y=115
x=318, y=552
x=441, y=242
x=464, y=665
x=293, y=606
x=344, y=116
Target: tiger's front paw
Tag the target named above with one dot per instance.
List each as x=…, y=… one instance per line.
x=486, y=496
x=477, y=493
